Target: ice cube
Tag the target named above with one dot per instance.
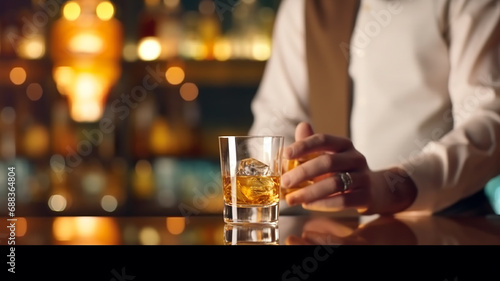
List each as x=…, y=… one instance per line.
x=253, y=167
x=257, y=189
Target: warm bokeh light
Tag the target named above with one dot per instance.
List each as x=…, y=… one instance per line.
x=71, y=10
x=175, y=75
x=86, y=49
x=162, y=139
x=109, y=203
x=105, y=10
x=176, y=225
x=86, y=88
x=36, y=141
x=222, y=49
x=86, y=230
x=193, y=47
x=17, y=75
x=86, y=112
x=32, y=47
x=86, y=226
x=149, y=48
x=149, y=236
x=86, y=43
x=151, y=3
x=21, y=226
x=87, y=98
x=189, y=91
x=34, y=91
x=172, y=4
x=143, y=179
x=63, y=75
x=261, y=49
x=87, y=84
x=57, y=203
x=63, y=228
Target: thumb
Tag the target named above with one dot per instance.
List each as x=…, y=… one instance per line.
x=303, y=130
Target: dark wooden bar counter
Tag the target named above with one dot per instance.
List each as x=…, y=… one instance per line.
x=308, y=229
x=300, y=247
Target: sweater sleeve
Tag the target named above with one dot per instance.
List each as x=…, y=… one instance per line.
x=466, y=158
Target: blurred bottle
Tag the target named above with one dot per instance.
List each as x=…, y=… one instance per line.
x=10, y=34
x=62, y=134
x=30, y=42
x=251, y=30
x=169, y=30
x=192, y=46
x=149, y=18
x=209, y=27
x=149, y=42
x=141, y=124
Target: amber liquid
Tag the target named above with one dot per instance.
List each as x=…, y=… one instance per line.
x=253, y=190
x=288, y=165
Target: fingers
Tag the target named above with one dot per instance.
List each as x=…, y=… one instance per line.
x=325, y=188
x=303, y=130
x=323, y=164
x=317, y=143
x=338, y=155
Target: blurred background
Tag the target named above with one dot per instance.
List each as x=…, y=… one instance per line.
x=114, y=107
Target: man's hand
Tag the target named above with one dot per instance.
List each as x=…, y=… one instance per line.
x=369, y=191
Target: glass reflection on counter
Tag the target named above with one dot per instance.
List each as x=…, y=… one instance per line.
x=251, y=234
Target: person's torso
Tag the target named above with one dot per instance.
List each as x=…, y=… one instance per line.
x=399, y=66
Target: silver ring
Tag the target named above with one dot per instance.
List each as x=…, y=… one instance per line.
x=346, y=179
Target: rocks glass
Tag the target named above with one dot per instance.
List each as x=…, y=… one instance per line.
x=251, y=178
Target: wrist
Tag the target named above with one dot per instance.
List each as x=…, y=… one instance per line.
x=392, y=191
